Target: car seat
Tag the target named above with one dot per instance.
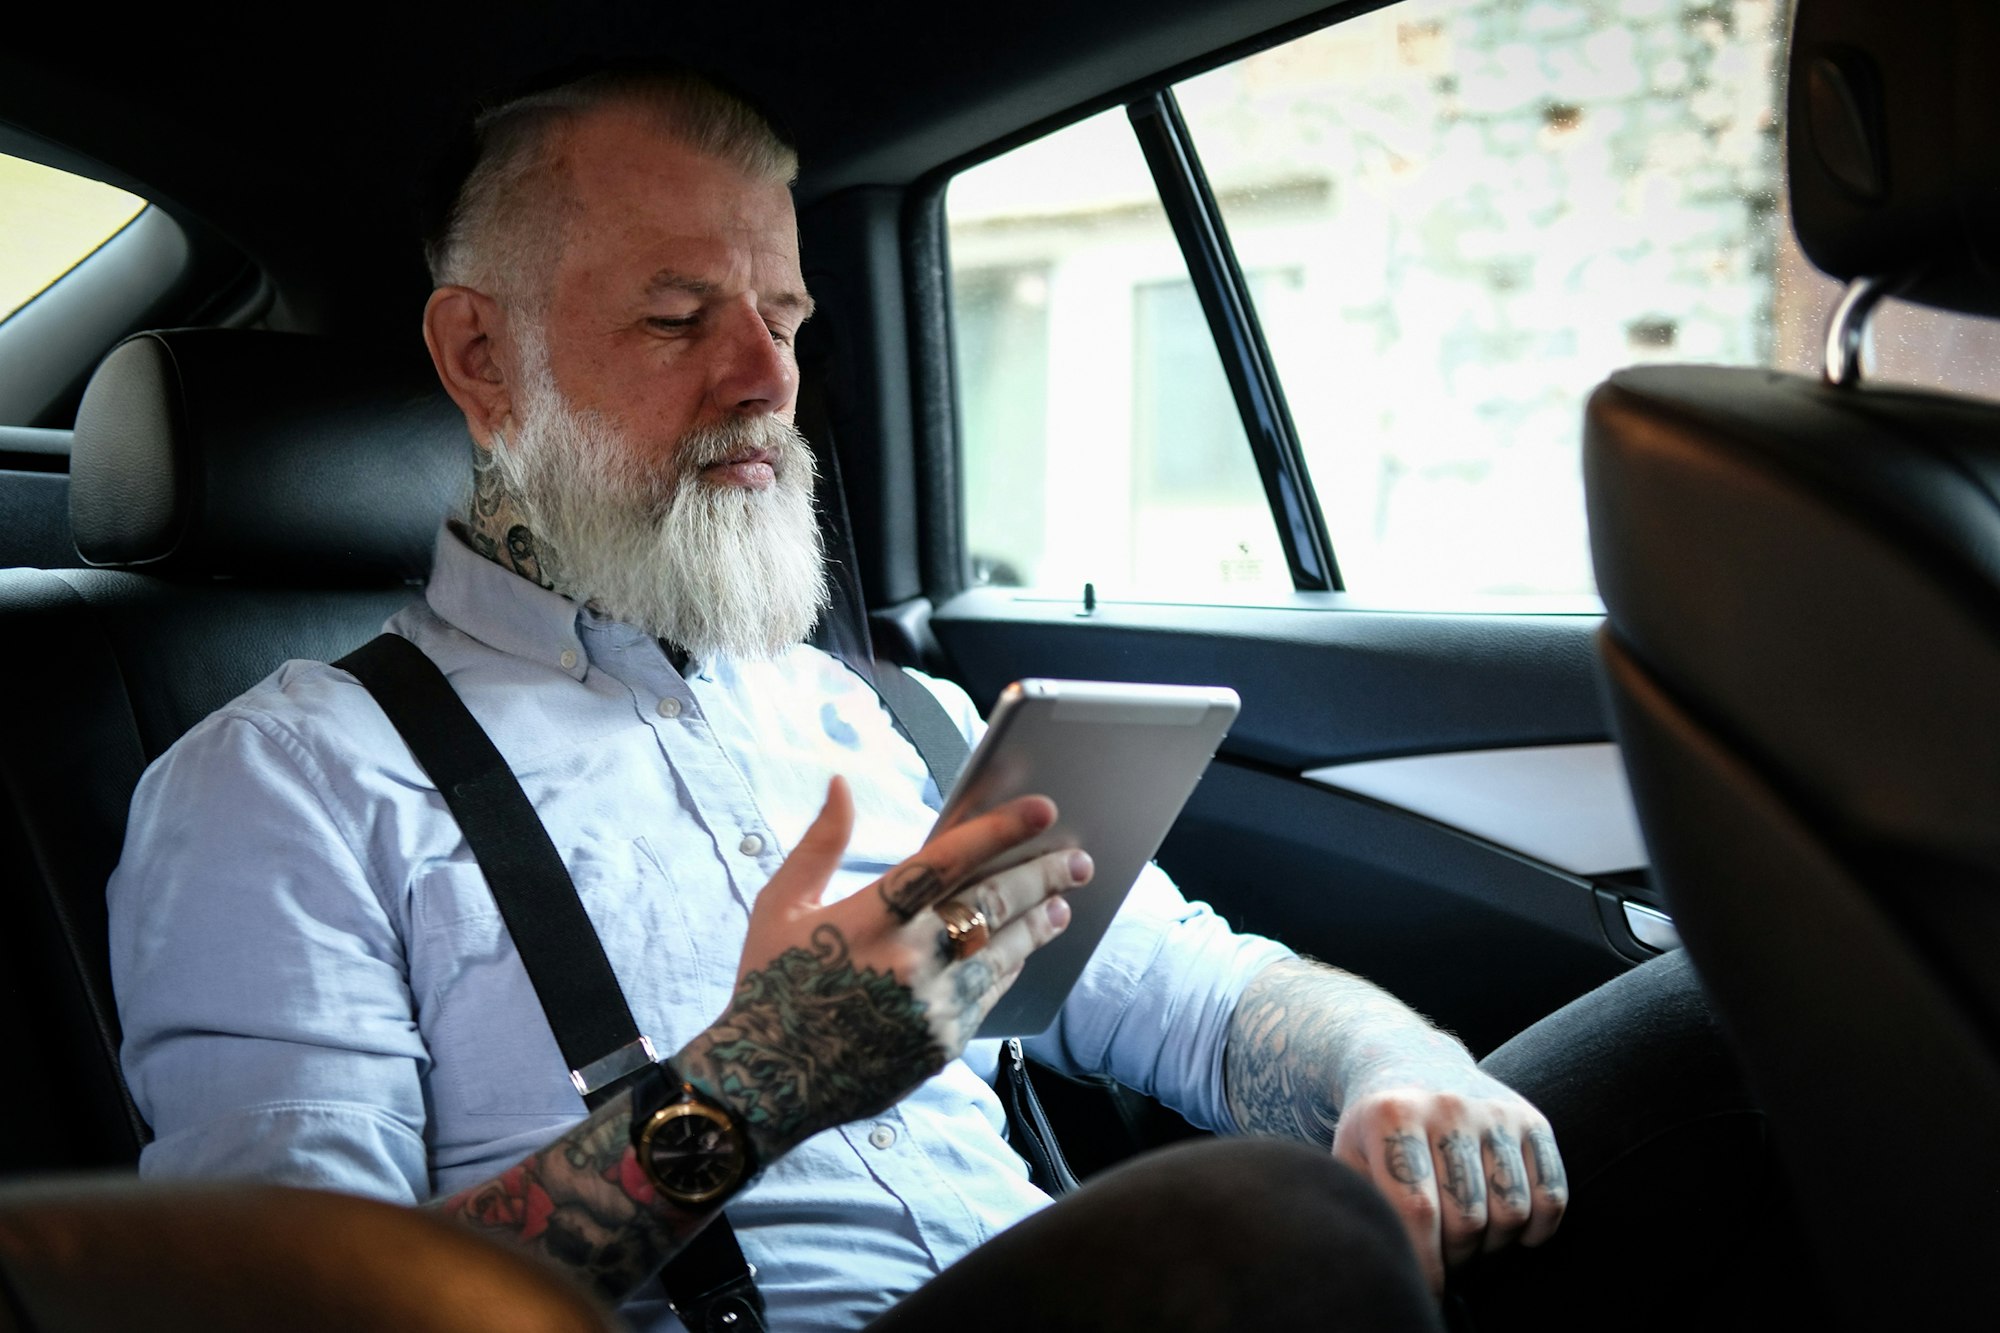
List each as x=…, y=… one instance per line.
x=246, y=498
x=1802, y=581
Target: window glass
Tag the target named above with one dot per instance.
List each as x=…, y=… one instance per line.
x=1100, y=439
x=1491, y=205
x=51, y=221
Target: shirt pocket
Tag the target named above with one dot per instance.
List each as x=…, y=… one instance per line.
x=492, y=1050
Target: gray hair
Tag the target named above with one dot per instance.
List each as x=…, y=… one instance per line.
x=505, y=227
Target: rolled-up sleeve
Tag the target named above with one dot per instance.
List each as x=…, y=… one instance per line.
x=261, y=979
x=1153, y=1007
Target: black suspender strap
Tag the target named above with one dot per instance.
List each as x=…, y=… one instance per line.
x=709, y=1283
x=558, y=945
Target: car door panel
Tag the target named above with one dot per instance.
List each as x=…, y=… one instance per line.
x=1320, y=684
x=1482, y=937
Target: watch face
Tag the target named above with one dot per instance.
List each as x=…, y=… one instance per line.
x=692, y=1152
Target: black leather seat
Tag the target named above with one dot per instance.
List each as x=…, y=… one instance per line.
x=248, y=498
x=1803, y=645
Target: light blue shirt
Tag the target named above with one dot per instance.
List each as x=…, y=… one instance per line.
x=316, y=986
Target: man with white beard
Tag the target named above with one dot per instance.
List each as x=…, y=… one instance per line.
x=328, y=997
x=734, y=569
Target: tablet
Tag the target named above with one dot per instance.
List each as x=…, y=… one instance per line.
x=1119, y=761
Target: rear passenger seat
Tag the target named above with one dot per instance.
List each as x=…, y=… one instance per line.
x=34, y=498
x=247, y=498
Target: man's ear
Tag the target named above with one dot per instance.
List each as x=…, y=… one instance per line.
x=465, y=330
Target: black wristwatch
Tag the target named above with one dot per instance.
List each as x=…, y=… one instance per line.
x=693, y=1148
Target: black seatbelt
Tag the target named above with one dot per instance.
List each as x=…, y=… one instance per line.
x=843, y=633
x=920, y=716
x=709, y=1284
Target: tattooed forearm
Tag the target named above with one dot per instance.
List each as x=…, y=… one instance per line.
x=810, y=1041
x=1304, y=1033
x=1463, y=1181
x=496, y=530
x=585, y=1202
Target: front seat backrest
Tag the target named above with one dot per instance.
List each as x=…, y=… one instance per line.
x=1802, y=581
x=249, y=497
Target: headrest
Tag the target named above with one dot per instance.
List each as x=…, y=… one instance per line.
x=1893, y=145
x=268, y=457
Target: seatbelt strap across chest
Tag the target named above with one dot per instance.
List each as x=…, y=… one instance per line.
x=942, y=746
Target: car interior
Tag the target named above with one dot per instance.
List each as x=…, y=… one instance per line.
x=1800, y=700
x=222, y=447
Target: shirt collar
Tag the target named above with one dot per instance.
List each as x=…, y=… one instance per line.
x=501, y=609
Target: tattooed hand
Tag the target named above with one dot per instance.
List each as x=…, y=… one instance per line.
x=842, y=1008
x=1468, y=1164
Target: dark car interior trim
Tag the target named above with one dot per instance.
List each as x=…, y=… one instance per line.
x=1239, y=339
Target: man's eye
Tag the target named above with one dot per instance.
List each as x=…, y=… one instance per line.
x=680, y=322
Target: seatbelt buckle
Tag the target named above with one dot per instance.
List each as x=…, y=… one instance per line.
x=606, y=1070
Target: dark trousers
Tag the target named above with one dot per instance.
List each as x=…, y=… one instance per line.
x=1249, y=1234
x=1677, y=1219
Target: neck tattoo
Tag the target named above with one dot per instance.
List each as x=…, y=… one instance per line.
x=497, y=532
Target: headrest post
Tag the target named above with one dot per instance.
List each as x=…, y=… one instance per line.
x=1847, y=328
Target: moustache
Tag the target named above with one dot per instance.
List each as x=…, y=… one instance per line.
x=740, y=439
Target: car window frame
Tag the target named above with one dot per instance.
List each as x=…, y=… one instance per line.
x=1212, y=268
x=162, y=268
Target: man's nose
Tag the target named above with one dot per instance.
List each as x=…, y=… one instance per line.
x=755, y=373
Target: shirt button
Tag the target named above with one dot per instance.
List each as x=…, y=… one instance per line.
x=751, y=844
x=670, y=708
x=568, y=659
x=882, y=1135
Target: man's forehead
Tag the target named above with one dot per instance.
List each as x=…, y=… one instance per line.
x=633, y=186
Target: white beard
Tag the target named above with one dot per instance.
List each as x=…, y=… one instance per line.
x=717, y=570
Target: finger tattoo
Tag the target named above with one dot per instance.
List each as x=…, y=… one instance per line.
x=1408, y=1159
x=910, y=888
x=1460, y=1154
x=975, y=977
x=1509, y=1177
x=1548, y=1162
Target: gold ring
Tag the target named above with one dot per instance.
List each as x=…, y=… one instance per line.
x=965, y=929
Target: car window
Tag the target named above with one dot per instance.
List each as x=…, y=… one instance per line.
x=1453, y=220
x=1100, y=440
x=1492, y=206
x=52, y=221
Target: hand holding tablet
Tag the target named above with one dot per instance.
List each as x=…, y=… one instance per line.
x=1119, y=761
